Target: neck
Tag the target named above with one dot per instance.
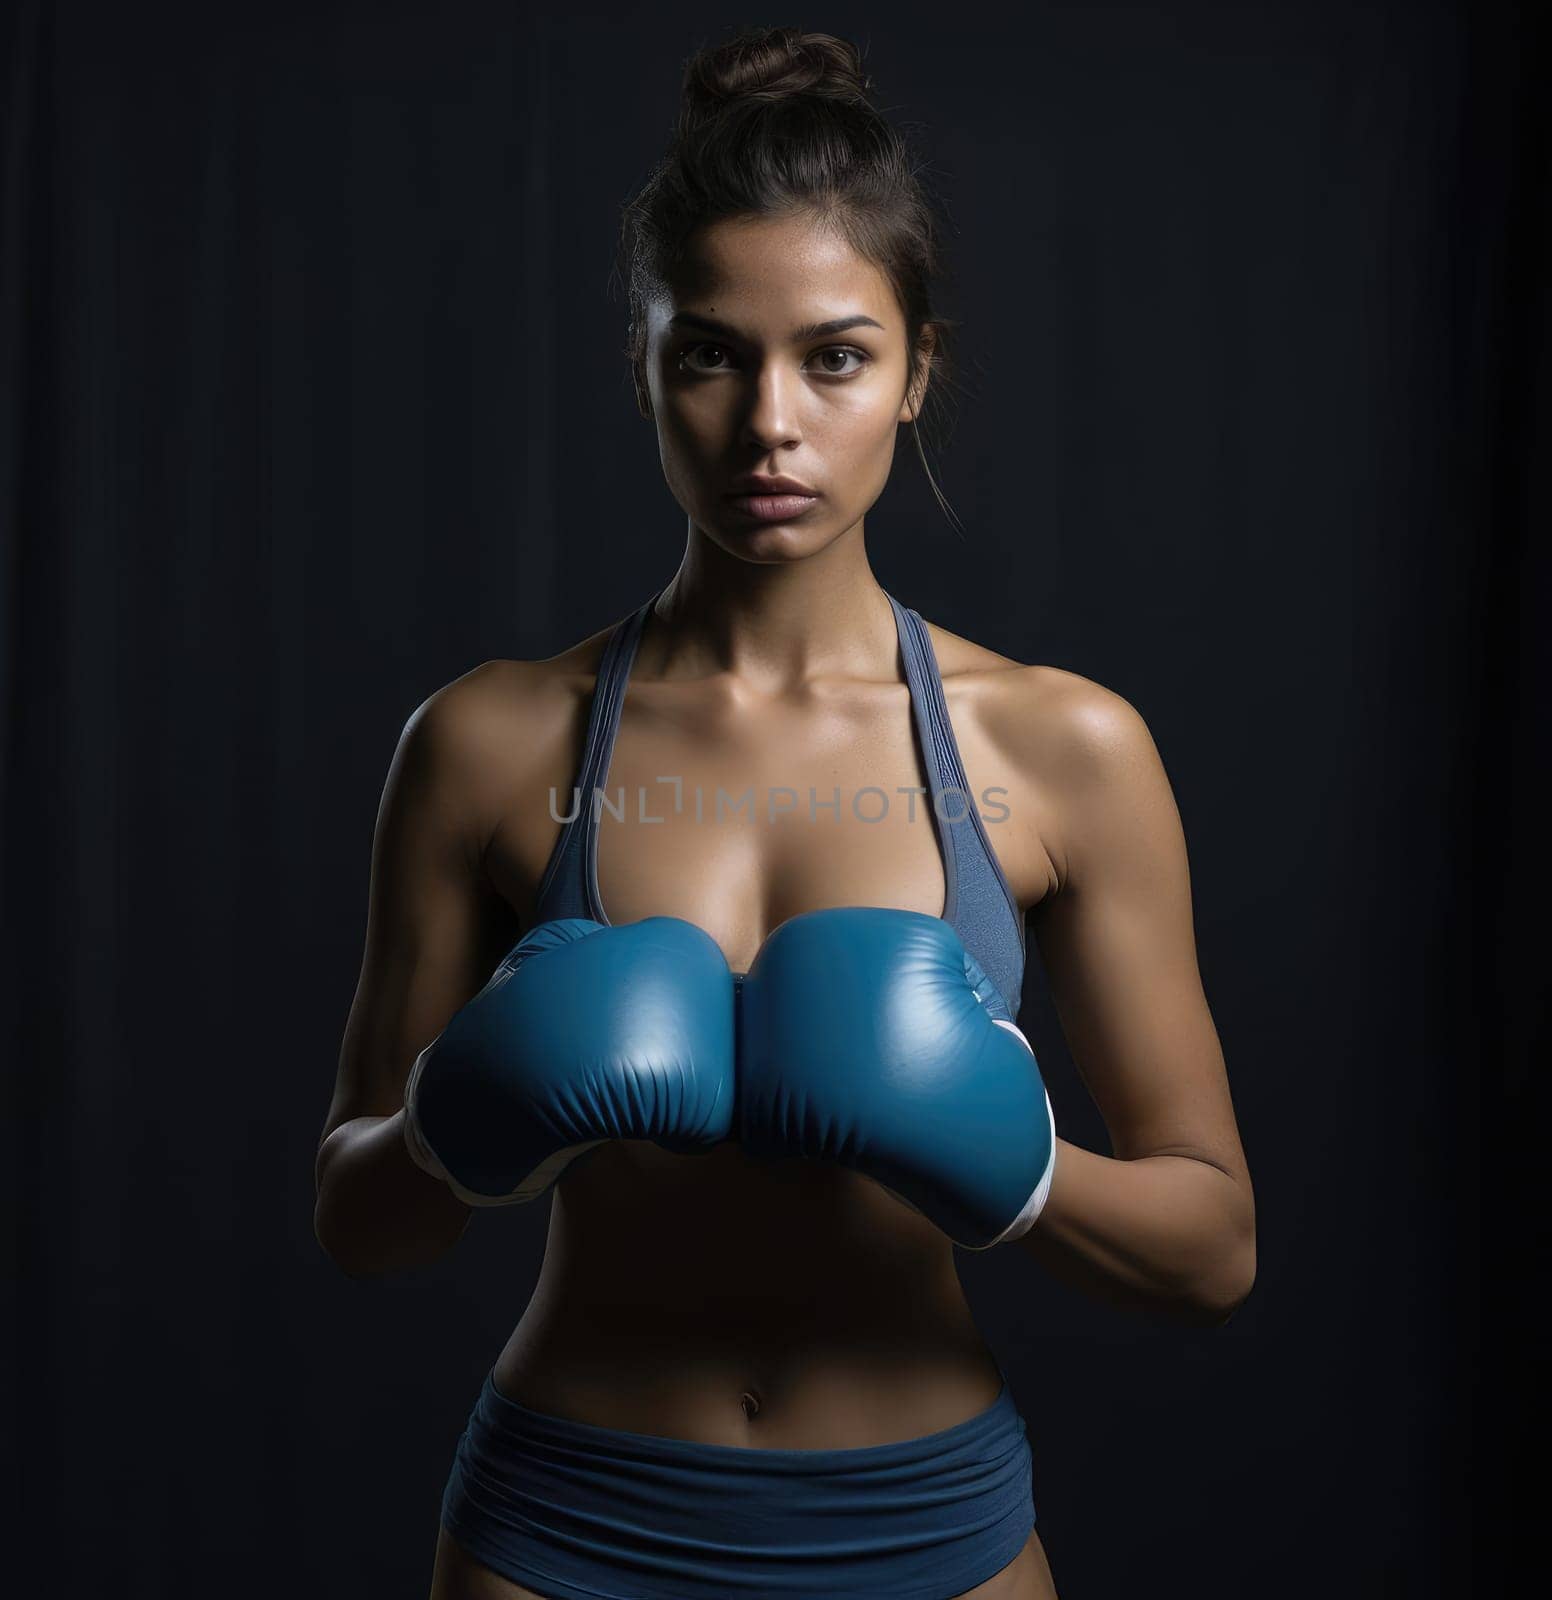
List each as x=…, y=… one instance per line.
x=773, y=624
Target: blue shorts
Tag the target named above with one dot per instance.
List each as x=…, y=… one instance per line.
x=580, y=1512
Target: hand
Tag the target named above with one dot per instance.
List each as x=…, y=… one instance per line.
x=871, y=1037
x=584, y=1033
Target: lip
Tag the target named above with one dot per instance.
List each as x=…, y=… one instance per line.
x=773, y=507
x=763, y=484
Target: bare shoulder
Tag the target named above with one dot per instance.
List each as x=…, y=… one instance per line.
x=500, y=722
x=1072, y=741
x=1044, y=713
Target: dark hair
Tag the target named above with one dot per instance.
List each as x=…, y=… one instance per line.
x=775, y=121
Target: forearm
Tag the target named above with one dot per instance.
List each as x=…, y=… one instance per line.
x=376, y=1211
x=1168, y=1233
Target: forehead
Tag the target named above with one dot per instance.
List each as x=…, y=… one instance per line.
x=767, y=274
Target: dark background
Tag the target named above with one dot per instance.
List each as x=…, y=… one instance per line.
x=311, y=398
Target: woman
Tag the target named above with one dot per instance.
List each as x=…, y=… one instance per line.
x=748, y=1366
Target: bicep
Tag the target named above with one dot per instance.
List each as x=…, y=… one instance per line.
x=1119, y=946
x=434, y=929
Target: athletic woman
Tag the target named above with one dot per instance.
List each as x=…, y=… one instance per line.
x=712, y=929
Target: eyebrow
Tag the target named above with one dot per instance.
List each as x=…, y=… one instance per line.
x=811, y=330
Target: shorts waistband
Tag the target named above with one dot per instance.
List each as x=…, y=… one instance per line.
x=542, y=1427
x=579, y=1511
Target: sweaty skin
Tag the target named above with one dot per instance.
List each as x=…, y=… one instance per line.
x=787, y=1304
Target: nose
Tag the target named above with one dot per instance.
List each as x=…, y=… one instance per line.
x=771, y=420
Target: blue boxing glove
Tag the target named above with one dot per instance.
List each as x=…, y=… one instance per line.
x=584, y=1033
x=871, y=1037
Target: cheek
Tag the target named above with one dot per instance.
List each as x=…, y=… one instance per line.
x=857, y=429
x=691, y=419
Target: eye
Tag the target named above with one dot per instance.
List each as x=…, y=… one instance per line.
x=861, y=357
x=689, y=350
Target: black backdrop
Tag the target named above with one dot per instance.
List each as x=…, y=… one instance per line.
x=311, y=399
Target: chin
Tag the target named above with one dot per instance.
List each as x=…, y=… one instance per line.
x=774, y=543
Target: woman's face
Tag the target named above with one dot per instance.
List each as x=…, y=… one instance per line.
x=742, y=379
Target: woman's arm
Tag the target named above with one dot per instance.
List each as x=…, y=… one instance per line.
x=1168, y=1222
x=435, y=931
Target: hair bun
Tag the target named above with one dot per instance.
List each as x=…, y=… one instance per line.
x=771, y=64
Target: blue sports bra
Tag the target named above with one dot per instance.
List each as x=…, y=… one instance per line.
x=979, y=905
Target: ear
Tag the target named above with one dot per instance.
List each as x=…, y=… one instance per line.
x=916, y=390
